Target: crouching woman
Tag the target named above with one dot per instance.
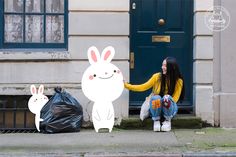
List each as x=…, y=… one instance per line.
x=168, y=89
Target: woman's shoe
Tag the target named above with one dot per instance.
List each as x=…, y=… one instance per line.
x=157, y=126
x=166, y=126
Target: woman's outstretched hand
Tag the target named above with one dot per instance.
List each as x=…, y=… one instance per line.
x=124, y=82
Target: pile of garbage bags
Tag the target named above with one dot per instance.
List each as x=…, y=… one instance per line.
x=62, y=113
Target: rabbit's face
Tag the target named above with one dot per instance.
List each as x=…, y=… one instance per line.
x=102, y=81
x=37, y=100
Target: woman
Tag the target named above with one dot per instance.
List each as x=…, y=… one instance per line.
x=168, y=89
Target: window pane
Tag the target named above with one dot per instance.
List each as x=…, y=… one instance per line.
x=13, y=28
x=34, y=28
x=13, y=6
x=55, y=29
x=55, y=6
x=34, y=6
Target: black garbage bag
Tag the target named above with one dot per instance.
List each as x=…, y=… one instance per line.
x=62, y=113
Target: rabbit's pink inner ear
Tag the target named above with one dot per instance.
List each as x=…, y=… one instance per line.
x=107, y=54
x=93, y=56
x=33, y=90
x=40, y=90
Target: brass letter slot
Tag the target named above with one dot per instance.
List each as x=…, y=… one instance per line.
x=161, y=38
x=132, y=60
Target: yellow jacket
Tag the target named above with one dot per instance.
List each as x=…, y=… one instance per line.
x=155, y=83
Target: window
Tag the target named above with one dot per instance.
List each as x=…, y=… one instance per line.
x=33, y=23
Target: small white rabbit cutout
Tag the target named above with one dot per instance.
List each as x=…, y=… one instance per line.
x=36, y=103
x=102, y=83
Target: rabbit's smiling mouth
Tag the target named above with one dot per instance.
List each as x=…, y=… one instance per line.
x=106, y=77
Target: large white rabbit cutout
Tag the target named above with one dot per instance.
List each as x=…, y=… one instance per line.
x=36, y=103
x=102, y=82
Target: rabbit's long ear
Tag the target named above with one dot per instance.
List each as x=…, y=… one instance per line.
x=93, y=55
x=41, y=89
x=108, y=54
x=33, y=89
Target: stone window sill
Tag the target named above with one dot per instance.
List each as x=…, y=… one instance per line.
x=34, y=54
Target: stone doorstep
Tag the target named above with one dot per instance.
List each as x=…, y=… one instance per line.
x=134, y=122
x=180, y=121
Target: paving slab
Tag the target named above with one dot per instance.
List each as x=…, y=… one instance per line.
x=127, y=143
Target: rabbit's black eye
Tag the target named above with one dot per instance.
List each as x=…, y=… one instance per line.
x=114, y=71
x=94, y=75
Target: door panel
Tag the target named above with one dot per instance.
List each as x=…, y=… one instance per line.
x=149, y=54
x=174, y=17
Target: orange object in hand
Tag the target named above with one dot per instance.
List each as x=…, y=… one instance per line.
x=156, y=104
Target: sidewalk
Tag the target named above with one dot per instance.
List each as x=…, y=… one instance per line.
x=178, y=142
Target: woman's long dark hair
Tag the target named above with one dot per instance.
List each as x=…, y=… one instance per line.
x=172, y=75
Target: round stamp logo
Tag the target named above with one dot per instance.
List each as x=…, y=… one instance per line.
x=218, y=19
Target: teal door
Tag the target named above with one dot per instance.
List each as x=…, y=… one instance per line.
x=160, y=28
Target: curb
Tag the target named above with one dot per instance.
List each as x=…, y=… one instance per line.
x=134, y=155
x=230, y=154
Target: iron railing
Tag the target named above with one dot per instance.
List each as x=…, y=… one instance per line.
x=15, y=115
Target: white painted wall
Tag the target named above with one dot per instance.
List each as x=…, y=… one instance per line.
x=214, y=66
x=203, y=63
x=226, y=75
x=101, y=23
